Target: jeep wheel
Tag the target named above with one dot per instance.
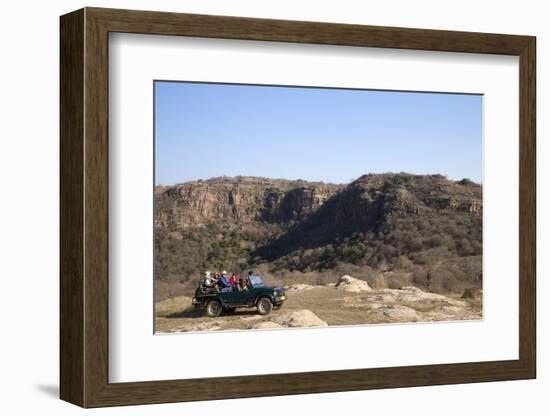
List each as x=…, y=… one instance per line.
x=264, y=306
x=213, y=308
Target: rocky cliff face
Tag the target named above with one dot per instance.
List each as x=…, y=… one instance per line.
x=248, y=199
x=242, y=200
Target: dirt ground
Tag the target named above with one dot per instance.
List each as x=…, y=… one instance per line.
x=323, y=306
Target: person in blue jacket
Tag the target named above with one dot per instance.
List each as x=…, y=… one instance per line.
x=224, y=284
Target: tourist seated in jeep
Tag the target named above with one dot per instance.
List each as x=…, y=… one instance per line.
x=242, y=285
x=207, y=281
x=223, y=283
x=253, y=294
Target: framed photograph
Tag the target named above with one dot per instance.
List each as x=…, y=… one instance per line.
x=255, y=207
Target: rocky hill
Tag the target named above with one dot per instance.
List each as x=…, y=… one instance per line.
x=422, y=229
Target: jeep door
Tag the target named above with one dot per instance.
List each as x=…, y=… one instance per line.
x=237, y=298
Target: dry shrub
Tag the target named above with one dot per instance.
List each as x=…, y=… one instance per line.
x=396, y=280
x=379, y=282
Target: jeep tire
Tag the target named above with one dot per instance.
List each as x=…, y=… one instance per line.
x=264, y=306
x=213, y=308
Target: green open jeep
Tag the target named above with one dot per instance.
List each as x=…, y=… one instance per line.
x=254, y=294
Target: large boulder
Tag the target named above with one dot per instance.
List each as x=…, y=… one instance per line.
x=301, y=318
x=351, y=284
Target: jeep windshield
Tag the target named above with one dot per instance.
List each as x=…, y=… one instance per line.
x=256, y=281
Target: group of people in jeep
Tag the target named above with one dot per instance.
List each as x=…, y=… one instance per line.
x=220, y=282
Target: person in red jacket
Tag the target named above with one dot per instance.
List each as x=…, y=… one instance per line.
x=233, y=280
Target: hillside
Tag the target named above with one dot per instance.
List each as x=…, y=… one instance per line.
x=389, y=229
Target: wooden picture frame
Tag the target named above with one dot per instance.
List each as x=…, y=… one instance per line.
x=84, y=207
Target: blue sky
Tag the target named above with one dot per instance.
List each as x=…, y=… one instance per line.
x=316, y=134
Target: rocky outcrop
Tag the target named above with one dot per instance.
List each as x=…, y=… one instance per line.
x=405, y=194
x=411, y=304
x=457, y=204
x=350, y=284
x=414, y=295
x=393, y=314
x=302, y=318
x=241, y=199
x=407, y=295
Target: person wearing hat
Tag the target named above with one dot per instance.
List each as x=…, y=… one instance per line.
x=224, y=284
